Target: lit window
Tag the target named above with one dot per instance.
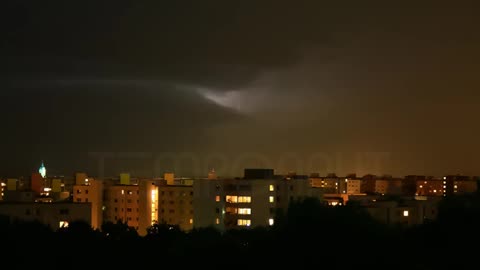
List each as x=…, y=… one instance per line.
x=217, y=198
x=455, y=186
x=63, y=224
x=421, y=186
x=244, y=222
x=231, y=210
x=217, y=221
x=271, y=199
x=271, y=221
x=123, y=192
x=405, y=213
x=244, y=199
x=272, y=188
x=444, y=186
x=434, y=191
x=244, y=211
x=231, y=199
x=191, y=221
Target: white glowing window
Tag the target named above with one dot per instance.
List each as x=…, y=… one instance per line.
x=244, y=222
x=217, y=221
x=63, y=224
x=421, y=186
x=444, y=186
x=217, y=198
x=271, y=188
x=333, y=203
x=123, y=192
x=455, y=186
x=271, y=199
x=271, y=221
x=231, y=199
x=434, y=191
x=244, y=211
x=244, y=199
x=405, y=213
x=191, y=221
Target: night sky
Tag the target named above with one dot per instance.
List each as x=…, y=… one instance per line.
x=309, y=87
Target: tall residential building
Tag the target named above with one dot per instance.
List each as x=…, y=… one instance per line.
x=122, y=204
x=175, y=205
x=247, y=202
x=89, y=190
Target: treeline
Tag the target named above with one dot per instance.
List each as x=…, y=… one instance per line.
x=310, y=234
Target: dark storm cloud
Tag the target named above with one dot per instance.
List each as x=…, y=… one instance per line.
x=306, y=76
x=208, y=42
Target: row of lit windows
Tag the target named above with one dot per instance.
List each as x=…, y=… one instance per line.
x=238, y=199
x=248, y=222
x=240, y=211
x=244, y=222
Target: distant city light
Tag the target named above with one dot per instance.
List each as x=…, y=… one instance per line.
x=42, y=170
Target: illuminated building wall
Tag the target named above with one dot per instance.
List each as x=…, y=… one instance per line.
x=12, y=184
x=329, y=185
x=122, y=204
x=148, y=204
x=244, y=203
x=80, y=178
x=90, y=191
x=431, y=187
x=169, y=177
x=381, y=186
x=37, y=183
x=52, y=214
x=175, y=205
x=352, y=186
x=337, y=185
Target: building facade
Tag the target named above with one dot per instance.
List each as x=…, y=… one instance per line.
x=55, y=215
x=122, y=204
x=243, y=203
x=89, y=190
